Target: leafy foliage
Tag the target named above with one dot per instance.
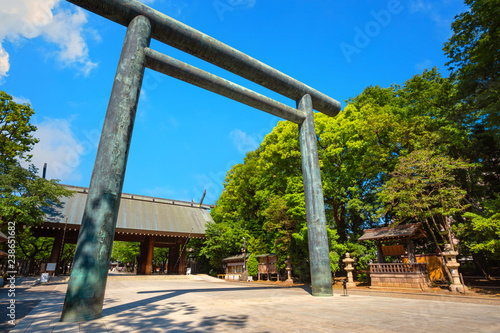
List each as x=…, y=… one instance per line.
x=125, y=251
x=482, y=234
x=474, y=52
x=222, y=240
x=24, y=195
x=16, y=138
x=392, y=155
x=252, y=265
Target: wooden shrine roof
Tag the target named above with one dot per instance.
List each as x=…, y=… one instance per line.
x=413, y=230
x=237, y=257
x=266, y=255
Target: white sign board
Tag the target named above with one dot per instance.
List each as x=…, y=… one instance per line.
x=51, y=267
x=44, y=277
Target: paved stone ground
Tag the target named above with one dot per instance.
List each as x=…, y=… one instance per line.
x=203, y=304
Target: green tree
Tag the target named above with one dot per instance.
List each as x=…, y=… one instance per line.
x=359, y=151
x=34, y=249
x=125, y=251
x=252, y=266
x=24, y=195
x=222, y=240
x=160, y=255
x=480, y=231
x=16, y=139
x=474, y=60
x=474, y=52
x=423, y=188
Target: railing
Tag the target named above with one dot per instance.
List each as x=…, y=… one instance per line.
x=398, y=268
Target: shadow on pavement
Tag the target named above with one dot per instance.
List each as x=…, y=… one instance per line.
x=22, y=309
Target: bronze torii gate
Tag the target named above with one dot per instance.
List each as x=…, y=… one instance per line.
x=85, y=294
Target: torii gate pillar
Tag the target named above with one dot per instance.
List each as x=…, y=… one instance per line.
x=321, y=278
x=87, y=283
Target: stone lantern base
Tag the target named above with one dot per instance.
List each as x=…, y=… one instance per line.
x=351, y=285
x=460, y=288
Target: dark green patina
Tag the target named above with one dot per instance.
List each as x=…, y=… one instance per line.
x=187, y=73
x=85, y=295
x=321, y=279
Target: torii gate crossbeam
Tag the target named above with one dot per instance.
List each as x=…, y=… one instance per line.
x=85, y=294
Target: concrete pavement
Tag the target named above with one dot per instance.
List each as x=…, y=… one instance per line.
x=204, y=304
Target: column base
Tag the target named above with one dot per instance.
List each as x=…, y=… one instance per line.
x=458, y=288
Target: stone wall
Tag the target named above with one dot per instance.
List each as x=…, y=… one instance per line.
x=400, y=280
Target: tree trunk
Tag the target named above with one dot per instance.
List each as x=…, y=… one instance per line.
x=481, y=265
x=339, y=217
x=31, y=269
x=447, y=271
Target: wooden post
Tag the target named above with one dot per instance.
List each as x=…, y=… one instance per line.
x=173, y=256
x=411, y=251
x=55, y=254
x=182, y=259
x=380, y=254
x=146, y=256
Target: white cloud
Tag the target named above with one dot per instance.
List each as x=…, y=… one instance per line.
x=242, y=141
x=4, y=62
x=437, y=12
x=428, y=8
x=36, y=18
x=59, y=148
x=419, y=6
x=21, y=100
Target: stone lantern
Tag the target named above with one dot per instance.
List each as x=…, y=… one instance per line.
x=349, y=268
x=288, y=263
x=450, y=258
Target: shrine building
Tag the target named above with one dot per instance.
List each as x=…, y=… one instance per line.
x=154, y=222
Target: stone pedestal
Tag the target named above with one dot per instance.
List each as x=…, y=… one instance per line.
x=450, y=258
x=289, y=279
x=348, y=261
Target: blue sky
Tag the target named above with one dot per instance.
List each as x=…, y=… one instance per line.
x=62, y=60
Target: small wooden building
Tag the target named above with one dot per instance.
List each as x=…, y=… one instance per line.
x=268, y=266
x=397, y=241
x=234, y=266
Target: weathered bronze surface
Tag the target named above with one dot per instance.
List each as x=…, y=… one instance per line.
x=174, y=33
x=319, y=259
x=85, y=294
x=187, y=73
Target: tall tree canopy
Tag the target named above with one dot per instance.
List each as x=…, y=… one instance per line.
x=474, y=52
x=426, y=150
x=23, y=194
